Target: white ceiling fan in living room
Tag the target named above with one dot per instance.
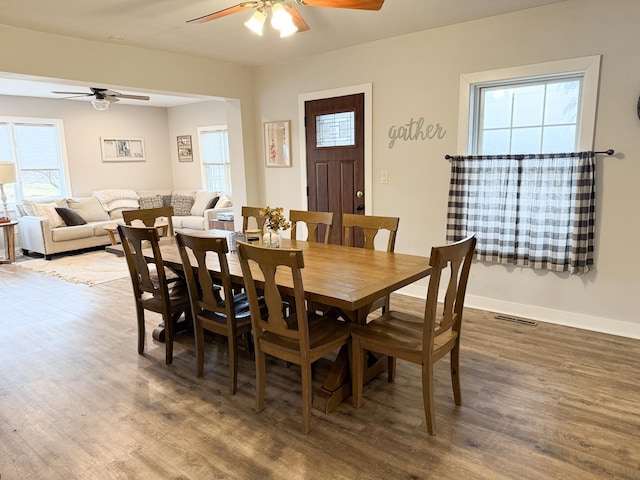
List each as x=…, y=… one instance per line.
x=284, y=17
x=103, y=97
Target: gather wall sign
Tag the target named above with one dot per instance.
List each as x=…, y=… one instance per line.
x=415, y=130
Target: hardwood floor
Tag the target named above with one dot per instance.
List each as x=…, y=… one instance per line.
x=78, y=402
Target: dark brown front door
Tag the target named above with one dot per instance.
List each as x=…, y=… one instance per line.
x=335, y=158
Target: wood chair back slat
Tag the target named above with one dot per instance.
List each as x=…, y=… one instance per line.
x=370, y=226
x=252, y=212
x=313, y=220
x=149, y=216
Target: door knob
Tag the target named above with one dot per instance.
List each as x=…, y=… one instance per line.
x=359, y=194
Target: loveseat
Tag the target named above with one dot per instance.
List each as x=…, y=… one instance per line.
x=50, y=226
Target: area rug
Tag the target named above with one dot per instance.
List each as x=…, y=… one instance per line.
x=90, y=268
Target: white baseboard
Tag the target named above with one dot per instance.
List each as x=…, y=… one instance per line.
x=541, y=314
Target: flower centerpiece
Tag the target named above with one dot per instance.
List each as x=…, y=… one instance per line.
x=275, y=222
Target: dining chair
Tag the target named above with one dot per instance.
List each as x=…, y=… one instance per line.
x=150, y=282
x=312, y=221
x=421, y=340
x=252, y=212
x=151, y=217
x=370, y=226
x=299, y=338
x=214, y=306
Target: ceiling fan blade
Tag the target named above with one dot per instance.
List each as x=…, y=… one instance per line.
x=74, y=93
x=225, y=12
x=111, y=99
x=298, y=21
x=355, y=4
x=131, y=97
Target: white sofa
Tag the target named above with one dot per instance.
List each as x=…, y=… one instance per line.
x=44, y=231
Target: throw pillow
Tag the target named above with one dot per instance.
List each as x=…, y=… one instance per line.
x=28, y=204
x=70, y=217
x=166, y=200
x=151, y=202
x=212, y=203
x=48, y=210
x=201, y=201
x=223, y=202
x=88, y=208
x=181, y=204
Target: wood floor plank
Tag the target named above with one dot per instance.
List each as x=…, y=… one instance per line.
x=77, y=401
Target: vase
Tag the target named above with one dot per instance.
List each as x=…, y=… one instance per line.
x=272, y=239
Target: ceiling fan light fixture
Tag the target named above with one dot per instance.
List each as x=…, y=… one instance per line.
x=280, y=17
x=288, y=29
x=256, y=22
x=100, y=104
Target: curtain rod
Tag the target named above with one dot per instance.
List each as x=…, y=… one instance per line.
x=523, y=156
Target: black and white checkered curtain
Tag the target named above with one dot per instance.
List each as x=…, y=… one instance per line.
x=530, y=210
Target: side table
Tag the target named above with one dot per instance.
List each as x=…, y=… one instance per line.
x=9, y=241
x=227, y=225
x=112, y=230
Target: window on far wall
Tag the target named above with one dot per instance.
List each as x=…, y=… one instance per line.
x=526, y=211
x=36, y=147
x=214, y=155
x=537, y=116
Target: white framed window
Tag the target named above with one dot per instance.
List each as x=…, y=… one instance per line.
x=214, y=157
x=540, y=108
x=539, y=116
x=519, y=183
x=37, y=148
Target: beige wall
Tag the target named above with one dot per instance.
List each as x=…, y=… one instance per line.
x=185, y=120
x=83, y=127
x=35, y=53
x=418, y=75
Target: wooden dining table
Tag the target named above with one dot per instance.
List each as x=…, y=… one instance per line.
x=347, y=278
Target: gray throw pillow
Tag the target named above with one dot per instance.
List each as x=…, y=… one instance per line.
x=182, y=204
x=166, y=200
x=70, y=217
x=151, y=202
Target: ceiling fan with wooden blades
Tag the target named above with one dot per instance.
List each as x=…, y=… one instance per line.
x=103, y=97
x=284, y=16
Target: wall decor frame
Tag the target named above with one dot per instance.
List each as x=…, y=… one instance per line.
x=277, y=143
x=185, y=148
x=118, y=149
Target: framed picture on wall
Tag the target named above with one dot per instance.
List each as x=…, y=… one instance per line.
x=185, y=150
x=115, y=149
x=277, y=144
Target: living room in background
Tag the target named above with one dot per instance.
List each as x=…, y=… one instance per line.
x=37, y=148
x=525, y=191
x=214, y=158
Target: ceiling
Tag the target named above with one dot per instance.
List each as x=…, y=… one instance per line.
x=161, y=25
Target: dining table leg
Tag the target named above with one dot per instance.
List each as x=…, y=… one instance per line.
x=337, y=385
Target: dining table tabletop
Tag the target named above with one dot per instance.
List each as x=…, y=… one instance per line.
x=347, y=278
